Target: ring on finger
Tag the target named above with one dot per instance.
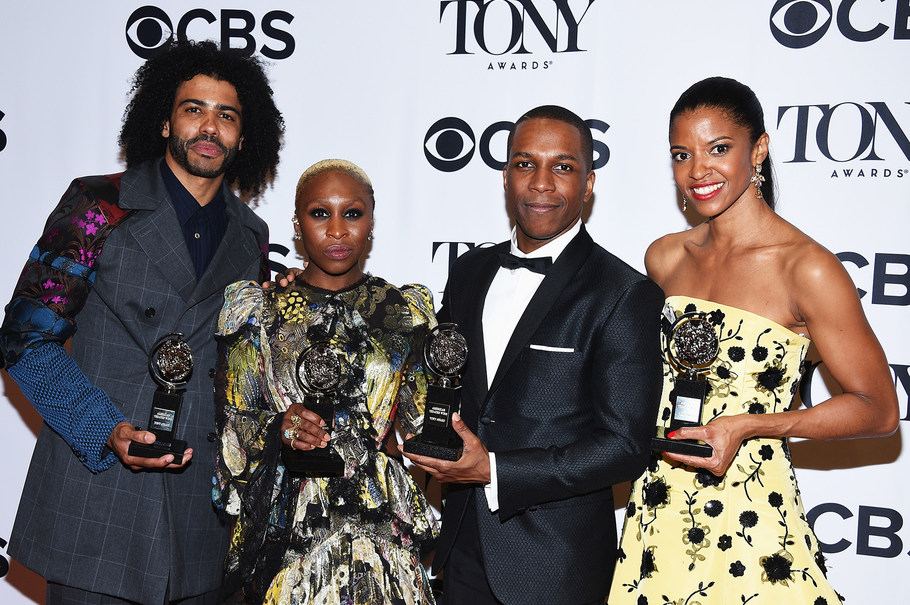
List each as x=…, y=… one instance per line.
x=290, y=434
x=295, y=420
x=292, y=445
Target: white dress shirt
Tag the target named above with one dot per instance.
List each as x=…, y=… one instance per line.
x=506, y=301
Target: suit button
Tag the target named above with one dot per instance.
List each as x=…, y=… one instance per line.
x=533, y=507
x=485, y=420
x=150, y=312
x=211, y=372
x=211, y=437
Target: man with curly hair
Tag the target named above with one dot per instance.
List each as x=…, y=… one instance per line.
x=137, y=258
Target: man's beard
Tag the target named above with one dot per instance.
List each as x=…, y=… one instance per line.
x=178, y=148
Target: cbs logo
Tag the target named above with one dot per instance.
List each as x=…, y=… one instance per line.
x=450, y=143
x=802, y=23
x=149, y=28
x=2, y=134
x=4, y=562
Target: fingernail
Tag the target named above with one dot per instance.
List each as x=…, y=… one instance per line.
x=670, y=434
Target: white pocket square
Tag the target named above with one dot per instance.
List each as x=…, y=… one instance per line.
x=553, y=349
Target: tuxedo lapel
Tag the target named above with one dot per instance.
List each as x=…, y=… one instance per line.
x=477, y=368
x=558, y=277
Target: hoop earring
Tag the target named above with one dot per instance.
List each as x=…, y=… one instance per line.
x=296, y=223
x=757, y=179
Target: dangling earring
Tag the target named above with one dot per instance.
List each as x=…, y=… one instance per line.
x=370, y=236
x=296, y=224
x=684, y=203
x=757, y=179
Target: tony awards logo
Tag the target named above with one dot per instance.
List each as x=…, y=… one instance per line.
x=171, y=365
x=445, y=352
x=691, y=347
x=318, y=373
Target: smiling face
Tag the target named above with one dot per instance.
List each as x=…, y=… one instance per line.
x=713, y=159
x=546, y=181
x=334, y=219
x=204, y=130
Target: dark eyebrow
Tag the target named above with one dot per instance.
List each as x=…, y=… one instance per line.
x=205, y=104
x=711, y=142
x=562, y=156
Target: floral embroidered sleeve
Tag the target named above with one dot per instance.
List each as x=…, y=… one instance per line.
x=41, y=316
x=243, y=415
x=412, y=396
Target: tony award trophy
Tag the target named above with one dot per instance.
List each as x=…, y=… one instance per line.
x=171, y=364
x=445, y=352
x=318, y=373
x=692, y=346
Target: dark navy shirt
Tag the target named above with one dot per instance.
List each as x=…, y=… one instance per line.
x=203, y=226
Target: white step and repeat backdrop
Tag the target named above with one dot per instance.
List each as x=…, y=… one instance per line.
x=421, y=93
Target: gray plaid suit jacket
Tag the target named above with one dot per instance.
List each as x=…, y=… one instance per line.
x=569, y=413
x=141, y=536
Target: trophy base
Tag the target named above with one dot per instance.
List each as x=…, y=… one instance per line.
x=686, y=447
x=312, y=462
x=159, y=449
x=432, y=450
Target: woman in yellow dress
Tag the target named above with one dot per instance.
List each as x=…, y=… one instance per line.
x=357, y=536
x=730, y=528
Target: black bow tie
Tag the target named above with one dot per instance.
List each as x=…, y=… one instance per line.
x=537, y=265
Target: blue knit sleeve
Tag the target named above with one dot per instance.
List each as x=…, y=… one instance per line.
x=80, y=413
x=41, y=316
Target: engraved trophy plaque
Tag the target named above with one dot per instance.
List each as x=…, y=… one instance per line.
x=445, y=352
x=318, y=373
x=171, y=365
x=692, y=346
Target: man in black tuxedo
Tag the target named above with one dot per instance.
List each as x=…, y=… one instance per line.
x=560, y=391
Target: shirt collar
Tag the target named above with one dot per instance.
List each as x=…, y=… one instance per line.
x=184, y=202
x=552, y=248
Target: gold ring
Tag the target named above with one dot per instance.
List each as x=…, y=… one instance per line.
x=295, y=420
x=292, y=445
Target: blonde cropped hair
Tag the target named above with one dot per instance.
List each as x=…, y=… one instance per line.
x=345, y=166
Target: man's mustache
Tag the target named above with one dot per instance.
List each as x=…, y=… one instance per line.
x=209, y=139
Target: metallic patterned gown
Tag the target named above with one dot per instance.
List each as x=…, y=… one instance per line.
x=696, y=539
x=351, y=539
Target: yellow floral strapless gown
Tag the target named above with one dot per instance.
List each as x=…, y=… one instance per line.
x=691, y=538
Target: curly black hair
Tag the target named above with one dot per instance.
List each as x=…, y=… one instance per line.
x=155, y=87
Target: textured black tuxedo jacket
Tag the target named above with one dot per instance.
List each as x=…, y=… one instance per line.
x=569, y=413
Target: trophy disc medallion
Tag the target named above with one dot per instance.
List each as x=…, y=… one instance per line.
x=445, y=353
x=318, y=374
x=691, y=349
x=171, y=365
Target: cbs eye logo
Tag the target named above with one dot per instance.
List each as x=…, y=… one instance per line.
x=149, y=28
x=450, y=143
x=802, y=23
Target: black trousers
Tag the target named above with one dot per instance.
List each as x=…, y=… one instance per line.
x=464, y=577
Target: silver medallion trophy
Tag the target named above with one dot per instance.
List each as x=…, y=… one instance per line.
x=445, y=352
x=171, y=365
x=691, y=349
x=318, y=374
